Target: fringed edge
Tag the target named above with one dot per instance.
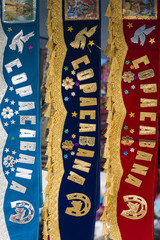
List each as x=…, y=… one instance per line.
x=116, y=50
x=56, y=113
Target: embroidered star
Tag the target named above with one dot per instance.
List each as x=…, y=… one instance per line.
x=14, y=152
x=125, y=153
x=132, y=115
x=72, y=153
x=30, y=47
x=125, y=127
x=12, y=169
x=73, y=94
x=6, y=150
x=6, y=124
x=70, y=29
x=65, y=156
x=9, y=29
x=76, y=144
x=91, y=43
x=16, y=112
x=12, y=102
x=126, y=91
x=76, y=83
x=133, y=87
x=7, y=172
x=127, y=62
x=132, y=131
x=66, y=68
x=11, y=89
x=6, y=100
x=66, y=99
x=131, y=67
x=73, y=72
x=66, y=131
x=74, y=114
x=73, y=136
x=132, y=149
x=152, y=40
x=130, y=25
x=12, y=122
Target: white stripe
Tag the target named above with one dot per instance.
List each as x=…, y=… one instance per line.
x=4, y=235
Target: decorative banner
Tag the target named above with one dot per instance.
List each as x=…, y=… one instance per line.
x=19, y=129
x=73, y=91
x=132, y=137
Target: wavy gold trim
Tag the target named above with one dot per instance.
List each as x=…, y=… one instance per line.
x=57, y=52
x=117, y=49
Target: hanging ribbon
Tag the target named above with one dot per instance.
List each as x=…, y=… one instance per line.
x=19, y=122
x=72, y=194
x=129, y=201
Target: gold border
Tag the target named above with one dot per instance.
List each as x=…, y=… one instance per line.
x=57, y=53
x=142, y=17
x=79, y=19
x=117, y=49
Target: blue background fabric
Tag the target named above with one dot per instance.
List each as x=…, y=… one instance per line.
x=29, y=59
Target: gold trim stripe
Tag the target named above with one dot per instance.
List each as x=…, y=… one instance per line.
x=117, y=50
x=57, y=113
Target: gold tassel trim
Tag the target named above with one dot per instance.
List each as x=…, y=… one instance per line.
x=56, y=113
x=116, y=50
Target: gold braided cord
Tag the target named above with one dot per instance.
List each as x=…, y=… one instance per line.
x=116, y=50
x=57, y=115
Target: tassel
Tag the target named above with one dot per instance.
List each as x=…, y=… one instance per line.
x=110, y=39
x=115, y=65
x=110, y=117
x=105, y=230
x=109, y=90
x=107, y=49
x=104, y=216
x=109, y=104
x=49, y=123
x=49, y=150
x=109, y=11
x=107, y=166
x=45, y=229
x=105, y=203
x=111, y=190
x=48, y=96
x=48, y=111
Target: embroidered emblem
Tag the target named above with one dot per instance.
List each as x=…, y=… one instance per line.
x=19, y=39
x=137, y=207
x=67, y=145
x=24, y=212
x=81, y=205
x=141, y=33
x=68, y=83
x=127, y=141
x=128, y=77
x=80, y=39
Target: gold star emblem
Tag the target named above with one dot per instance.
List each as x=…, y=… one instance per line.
x=70, y=29
x=132, y=131
x=131, y=67
x=73, y=136
x=130, y=25
x=132, y=115
x=73, y=72
x=152, y=40
x=91, y=43
x=74, y=114
x=9, y=29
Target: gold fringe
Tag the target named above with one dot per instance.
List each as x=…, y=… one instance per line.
x=57, y=115
x=116, y=50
